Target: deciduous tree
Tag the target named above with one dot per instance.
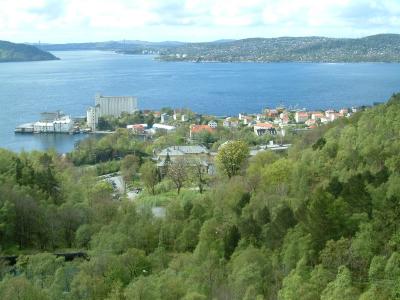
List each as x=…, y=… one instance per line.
x=231, y=157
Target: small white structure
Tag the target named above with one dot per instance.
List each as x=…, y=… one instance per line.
x=230, y=122
x=164, y=118
x=325, y=120
x=163, y=127
x=212, y=124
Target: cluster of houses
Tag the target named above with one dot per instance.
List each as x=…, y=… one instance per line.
x=271, y=121
x=312, y=118
x=179, y=115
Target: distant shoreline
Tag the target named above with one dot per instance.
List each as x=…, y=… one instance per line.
x=381, y=48
x=275, y=62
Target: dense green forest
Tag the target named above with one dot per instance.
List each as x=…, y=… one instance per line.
x=319, y=222
x=10, y=52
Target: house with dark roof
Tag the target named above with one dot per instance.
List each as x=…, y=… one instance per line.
x=193, y=155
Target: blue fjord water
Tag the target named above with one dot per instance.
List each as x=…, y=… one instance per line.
x=28, y=88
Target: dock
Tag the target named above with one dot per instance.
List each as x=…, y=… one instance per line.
x=55, y=122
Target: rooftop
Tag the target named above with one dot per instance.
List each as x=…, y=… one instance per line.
x=264, y=125
x=182, y=150
x=198, y=128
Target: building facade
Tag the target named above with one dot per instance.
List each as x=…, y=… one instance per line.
x=60, y=125
x=115, y=105
x=109, y=106
x=92, y=118
x=264, y=128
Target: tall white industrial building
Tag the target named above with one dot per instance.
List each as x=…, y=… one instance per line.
x=109, y=106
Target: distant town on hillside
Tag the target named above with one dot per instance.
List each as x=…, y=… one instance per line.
x=375, y=48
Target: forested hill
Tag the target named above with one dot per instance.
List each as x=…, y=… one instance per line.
x=10, y=52
x=321, y=222
x=377, y=48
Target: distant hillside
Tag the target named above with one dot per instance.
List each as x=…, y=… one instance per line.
x=111, y=45
x=377, y=48
x=10, y=52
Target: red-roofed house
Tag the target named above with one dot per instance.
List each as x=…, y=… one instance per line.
x=194, y=129
x=310, y=122
x=271, y=113
x=317, y=115
x=301, y=116
x=263, y=128
x=137, y=128
x=284, y=117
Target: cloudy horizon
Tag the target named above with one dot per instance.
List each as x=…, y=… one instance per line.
x=62, y=21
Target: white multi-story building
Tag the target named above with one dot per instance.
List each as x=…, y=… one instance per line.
x=63, y=124
x=110, y=106
x=115, y=105
x=92, y=118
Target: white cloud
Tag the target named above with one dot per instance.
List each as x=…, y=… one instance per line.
x=86, y=20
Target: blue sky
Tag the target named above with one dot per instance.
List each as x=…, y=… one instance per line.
x=58, y=21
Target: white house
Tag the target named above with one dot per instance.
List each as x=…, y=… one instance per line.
x=163, y=127
x=264, y=128
x=164, y=118
x=213, y=124
x=230, y=122
x=301, y=116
